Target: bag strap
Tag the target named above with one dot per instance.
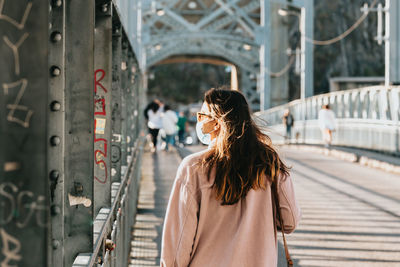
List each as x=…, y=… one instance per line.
x=276, y=200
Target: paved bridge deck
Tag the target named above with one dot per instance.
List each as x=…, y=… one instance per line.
x=158, y=174
x=351, y=213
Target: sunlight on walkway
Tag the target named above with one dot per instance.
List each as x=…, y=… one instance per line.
x=158, y=174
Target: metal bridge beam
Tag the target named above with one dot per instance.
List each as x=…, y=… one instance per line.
x=122, y=100
x=79, y=122
x=56, y=127
x=24, y=183
x=307, y=58
x=394, y=42
x=115, y=103
x=102, y=105
x=265, y=56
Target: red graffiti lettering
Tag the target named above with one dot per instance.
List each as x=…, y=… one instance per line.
x=97, y=81
x=100, y=155
x=100, y=109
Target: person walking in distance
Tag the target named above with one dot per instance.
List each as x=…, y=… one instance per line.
x=153, y=114
x=288, y=121
x=221, y=211
x=326, y=119
x=169, y=120
x=181, y=128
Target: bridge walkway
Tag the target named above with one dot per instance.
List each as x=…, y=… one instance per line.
x=351, y=213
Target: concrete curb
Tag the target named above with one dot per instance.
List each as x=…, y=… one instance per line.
x=349, y=156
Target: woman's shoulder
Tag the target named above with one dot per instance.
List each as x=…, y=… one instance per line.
x=192, y=172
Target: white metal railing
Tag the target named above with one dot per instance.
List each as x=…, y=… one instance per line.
x=366, y=118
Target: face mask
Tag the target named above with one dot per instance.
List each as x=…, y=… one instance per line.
x=204, y=138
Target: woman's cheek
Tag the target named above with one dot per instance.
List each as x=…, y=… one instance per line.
x=207, y=127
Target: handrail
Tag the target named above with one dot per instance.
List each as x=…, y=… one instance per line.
x=344, y=102
x=117, y=200
x=367, y=118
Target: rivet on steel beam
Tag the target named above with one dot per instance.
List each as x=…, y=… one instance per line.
x=54, y=175
x=55, y=244
x=55, y=210
x=104, y=8
x=55, y=140
x=56, y=37
x=55, y=71
x=57, y=3
x=55, y=106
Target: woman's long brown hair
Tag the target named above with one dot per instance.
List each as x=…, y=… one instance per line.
x=243, y=155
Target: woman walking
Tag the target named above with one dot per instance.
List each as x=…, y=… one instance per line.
x=221, y=210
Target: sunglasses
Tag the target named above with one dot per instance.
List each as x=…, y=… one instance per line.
x=201, y=116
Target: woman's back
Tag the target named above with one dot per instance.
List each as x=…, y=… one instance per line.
x=210, y=234
x=220, y=211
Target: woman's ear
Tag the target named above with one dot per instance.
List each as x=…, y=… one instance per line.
x=216, y=126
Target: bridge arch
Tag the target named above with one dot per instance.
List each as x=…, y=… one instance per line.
x=239, y=31
x=243, y=75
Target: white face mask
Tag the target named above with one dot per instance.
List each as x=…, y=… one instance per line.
x=205, y=138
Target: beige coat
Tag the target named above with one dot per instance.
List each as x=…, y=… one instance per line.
x=199, y=232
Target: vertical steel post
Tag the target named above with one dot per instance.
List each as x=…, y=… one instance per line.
x=123, y=100
x=124, y=137
x=393, y=53
x=137, y=100
x=279, y=85
x=265, y=56
x=307, y=48
x=115, y=101
x=79, y=106
x=56, y=128
x=131, y=127
x=102, y=104
x=24, y=75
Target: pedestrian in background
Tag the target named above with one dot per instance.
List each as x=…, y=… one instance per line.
x=327, y=124
x=181, y=128
x=288, y=121
x=169, y=121
x=153, y=114
x=221, y=210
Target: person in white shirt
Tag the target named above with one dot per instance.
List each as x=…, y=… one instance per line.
x=153, y=114
x=327, y=124
x=169, y=121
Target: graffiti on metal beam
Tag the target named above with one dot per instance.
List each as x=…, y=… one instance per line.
x=19, y=24
x=22, y=82
x=21, y=206
x=100, y=153
x=14, y=49
x=11, y=247
x=16, y=106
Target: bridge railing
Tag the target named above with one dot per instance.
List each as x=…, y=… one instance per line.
x=112, y=226
x=366, y=118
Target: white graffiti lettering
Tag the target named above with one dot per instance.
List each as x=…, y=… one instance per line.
x=21, y=205
x=21, y=24
x=10, y=250
x=14, y=48
x=16, y=106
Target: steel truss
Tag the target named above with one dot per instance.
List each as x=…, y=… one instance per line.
x=221, y=29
